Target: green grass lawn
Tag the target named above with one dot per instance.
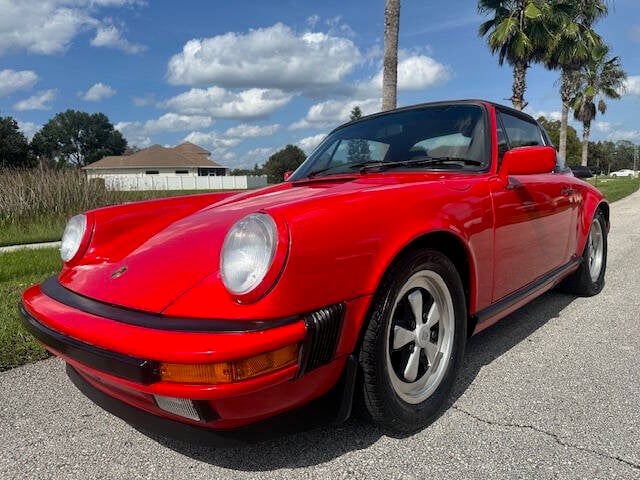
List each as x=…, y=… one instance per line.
x=616, y=188
x=19, y=270
x=50, y=228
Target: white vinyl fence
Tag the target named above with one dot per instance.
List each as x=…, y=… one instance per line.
x=148, y=182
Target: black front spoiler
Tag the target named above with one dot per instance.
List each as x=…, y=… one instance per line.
x=135, y=369
x=334, y=407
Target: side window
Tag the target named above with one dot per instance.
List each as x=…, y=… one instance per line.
x=521, y=133
x=502, y=143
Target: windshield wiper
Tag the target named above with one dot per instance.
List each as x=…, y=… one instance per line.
x=352, y=166
x=414, y=162
x=421, y=161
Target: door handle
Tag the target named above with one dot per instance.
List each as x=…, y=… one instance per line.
x=566, y=191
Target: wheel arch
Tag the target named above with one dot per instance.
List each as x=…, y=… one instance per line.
x=592, y=205
x=456, y=249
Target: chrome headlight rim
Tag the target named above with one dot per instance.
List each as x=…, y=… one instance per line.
x=279, y=252
x=74, y=238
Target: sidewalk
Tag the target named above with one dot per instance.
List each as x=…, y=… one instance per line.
x=32, y=246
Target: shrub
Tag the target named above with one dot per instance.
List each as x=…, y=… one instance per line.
x=28, y=194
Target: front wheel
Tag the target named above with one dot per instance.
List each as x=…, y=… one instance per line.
x=588, y=280
x=414, y=342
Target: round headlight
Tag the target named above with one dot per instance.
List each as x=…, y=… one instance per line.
x=248, y=252
x=72, y=237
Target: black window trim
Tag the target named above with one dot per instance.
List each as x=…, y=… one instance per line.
x=478, y=103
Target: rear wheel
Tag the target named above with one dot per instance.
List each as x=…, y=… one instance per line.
x=414, y=342
x=588, y=280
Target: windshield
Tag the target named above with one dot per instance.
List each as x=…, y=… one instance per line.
x=455, y=135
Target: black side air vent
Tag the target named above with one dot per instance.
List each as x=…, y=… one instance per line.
x=323, y=331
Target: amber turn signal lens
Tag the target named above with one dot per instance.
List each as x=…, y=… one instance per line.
x=232, y=371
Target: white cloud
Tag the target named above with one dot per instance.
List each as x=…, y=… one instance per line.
x=40, y=101
x=313, y=20
x=169, y=122
x=250, y=158
x=261, y=154
x=332, y=113
x=46, y=27
x=630, y=135
x=134, y=133
x=173, y=122
x=212, y=139
x=12, y=81
x=553, y=115
x=146, y=99
x=99, y=91
x=232, y=137
x=274, y=57
x=309, y=143
x=245, y=130
x=634, y=33
x=221, y=103
x=415, y=72
x=29, y=128
x=603, y=126
x=110, y=36
x=632, y=85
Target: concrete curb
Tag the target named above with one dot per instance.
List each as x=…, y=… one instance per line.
x=28, y=246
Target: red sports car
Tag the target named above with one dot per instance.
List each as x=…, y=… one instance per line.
x=361, y=276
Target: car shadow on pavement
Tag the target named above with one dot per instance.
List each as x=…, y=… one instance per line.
x=322, y=444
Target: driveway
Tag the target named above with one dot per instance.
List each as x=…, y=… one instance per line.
x=552, y=391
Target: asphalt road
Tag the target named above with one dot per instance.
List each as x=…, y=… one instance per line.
x=553, y=391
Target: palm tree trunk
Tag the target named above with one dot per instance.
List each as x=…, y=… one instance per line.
x=585, y=142
x=519, y=84
x=390, y=61
x=565, y=95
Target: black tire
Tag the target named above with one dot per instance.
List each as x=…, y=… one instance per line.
x=383, y=404
x=581, y=282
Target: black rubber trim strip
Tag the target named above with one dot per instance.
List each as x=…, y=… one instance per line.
x=52, y=288
x=131, y=368
x=513, y=298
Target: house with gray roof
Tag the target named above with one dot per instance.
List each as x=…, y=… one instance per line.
x=184, y=160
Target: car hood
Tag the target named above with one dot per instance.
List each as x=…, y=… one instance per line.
x=159, y=254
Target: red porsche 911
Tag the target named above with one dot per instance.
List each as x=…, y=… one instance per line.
x=360, y=276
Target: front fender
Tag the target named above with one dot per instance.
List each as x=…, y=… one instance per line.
x=341, y=246
x=592, y=200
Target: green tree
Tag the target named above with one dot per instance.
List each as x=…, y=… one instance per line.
x=572, y=46
x=573, y=146
x=519, y=34
x=611, y=156
x=287, y=159
x=14, y=147
x=358, y=149
x=602, y=77
x=355, y=114
x=257, y=170
x=78, y=138
x=390, y=55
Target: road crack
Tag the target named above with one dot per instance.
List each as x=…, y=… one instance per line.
x=552, y=435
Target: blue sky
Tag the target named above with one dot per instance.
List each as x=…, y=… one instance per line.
x=244, y=78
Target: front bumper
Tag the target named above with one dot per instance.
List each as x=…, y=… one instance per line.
x=121, y=360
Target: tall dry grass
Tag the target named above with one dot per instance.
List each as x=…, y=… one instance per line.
x=55, y=194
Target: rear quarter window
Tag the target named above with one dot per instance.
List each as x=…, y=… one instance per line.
x=521, y=133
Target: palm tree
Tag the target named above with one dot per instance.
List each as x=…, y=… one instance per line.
x=390, y=61
x=574, y=40
x=519, y=34
x=602, y=77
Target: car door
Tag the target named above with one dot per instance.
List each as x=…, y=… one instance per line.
x=532, y=214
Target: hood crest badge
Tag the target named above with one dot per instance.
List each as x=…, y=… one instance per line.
x=119, y=272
